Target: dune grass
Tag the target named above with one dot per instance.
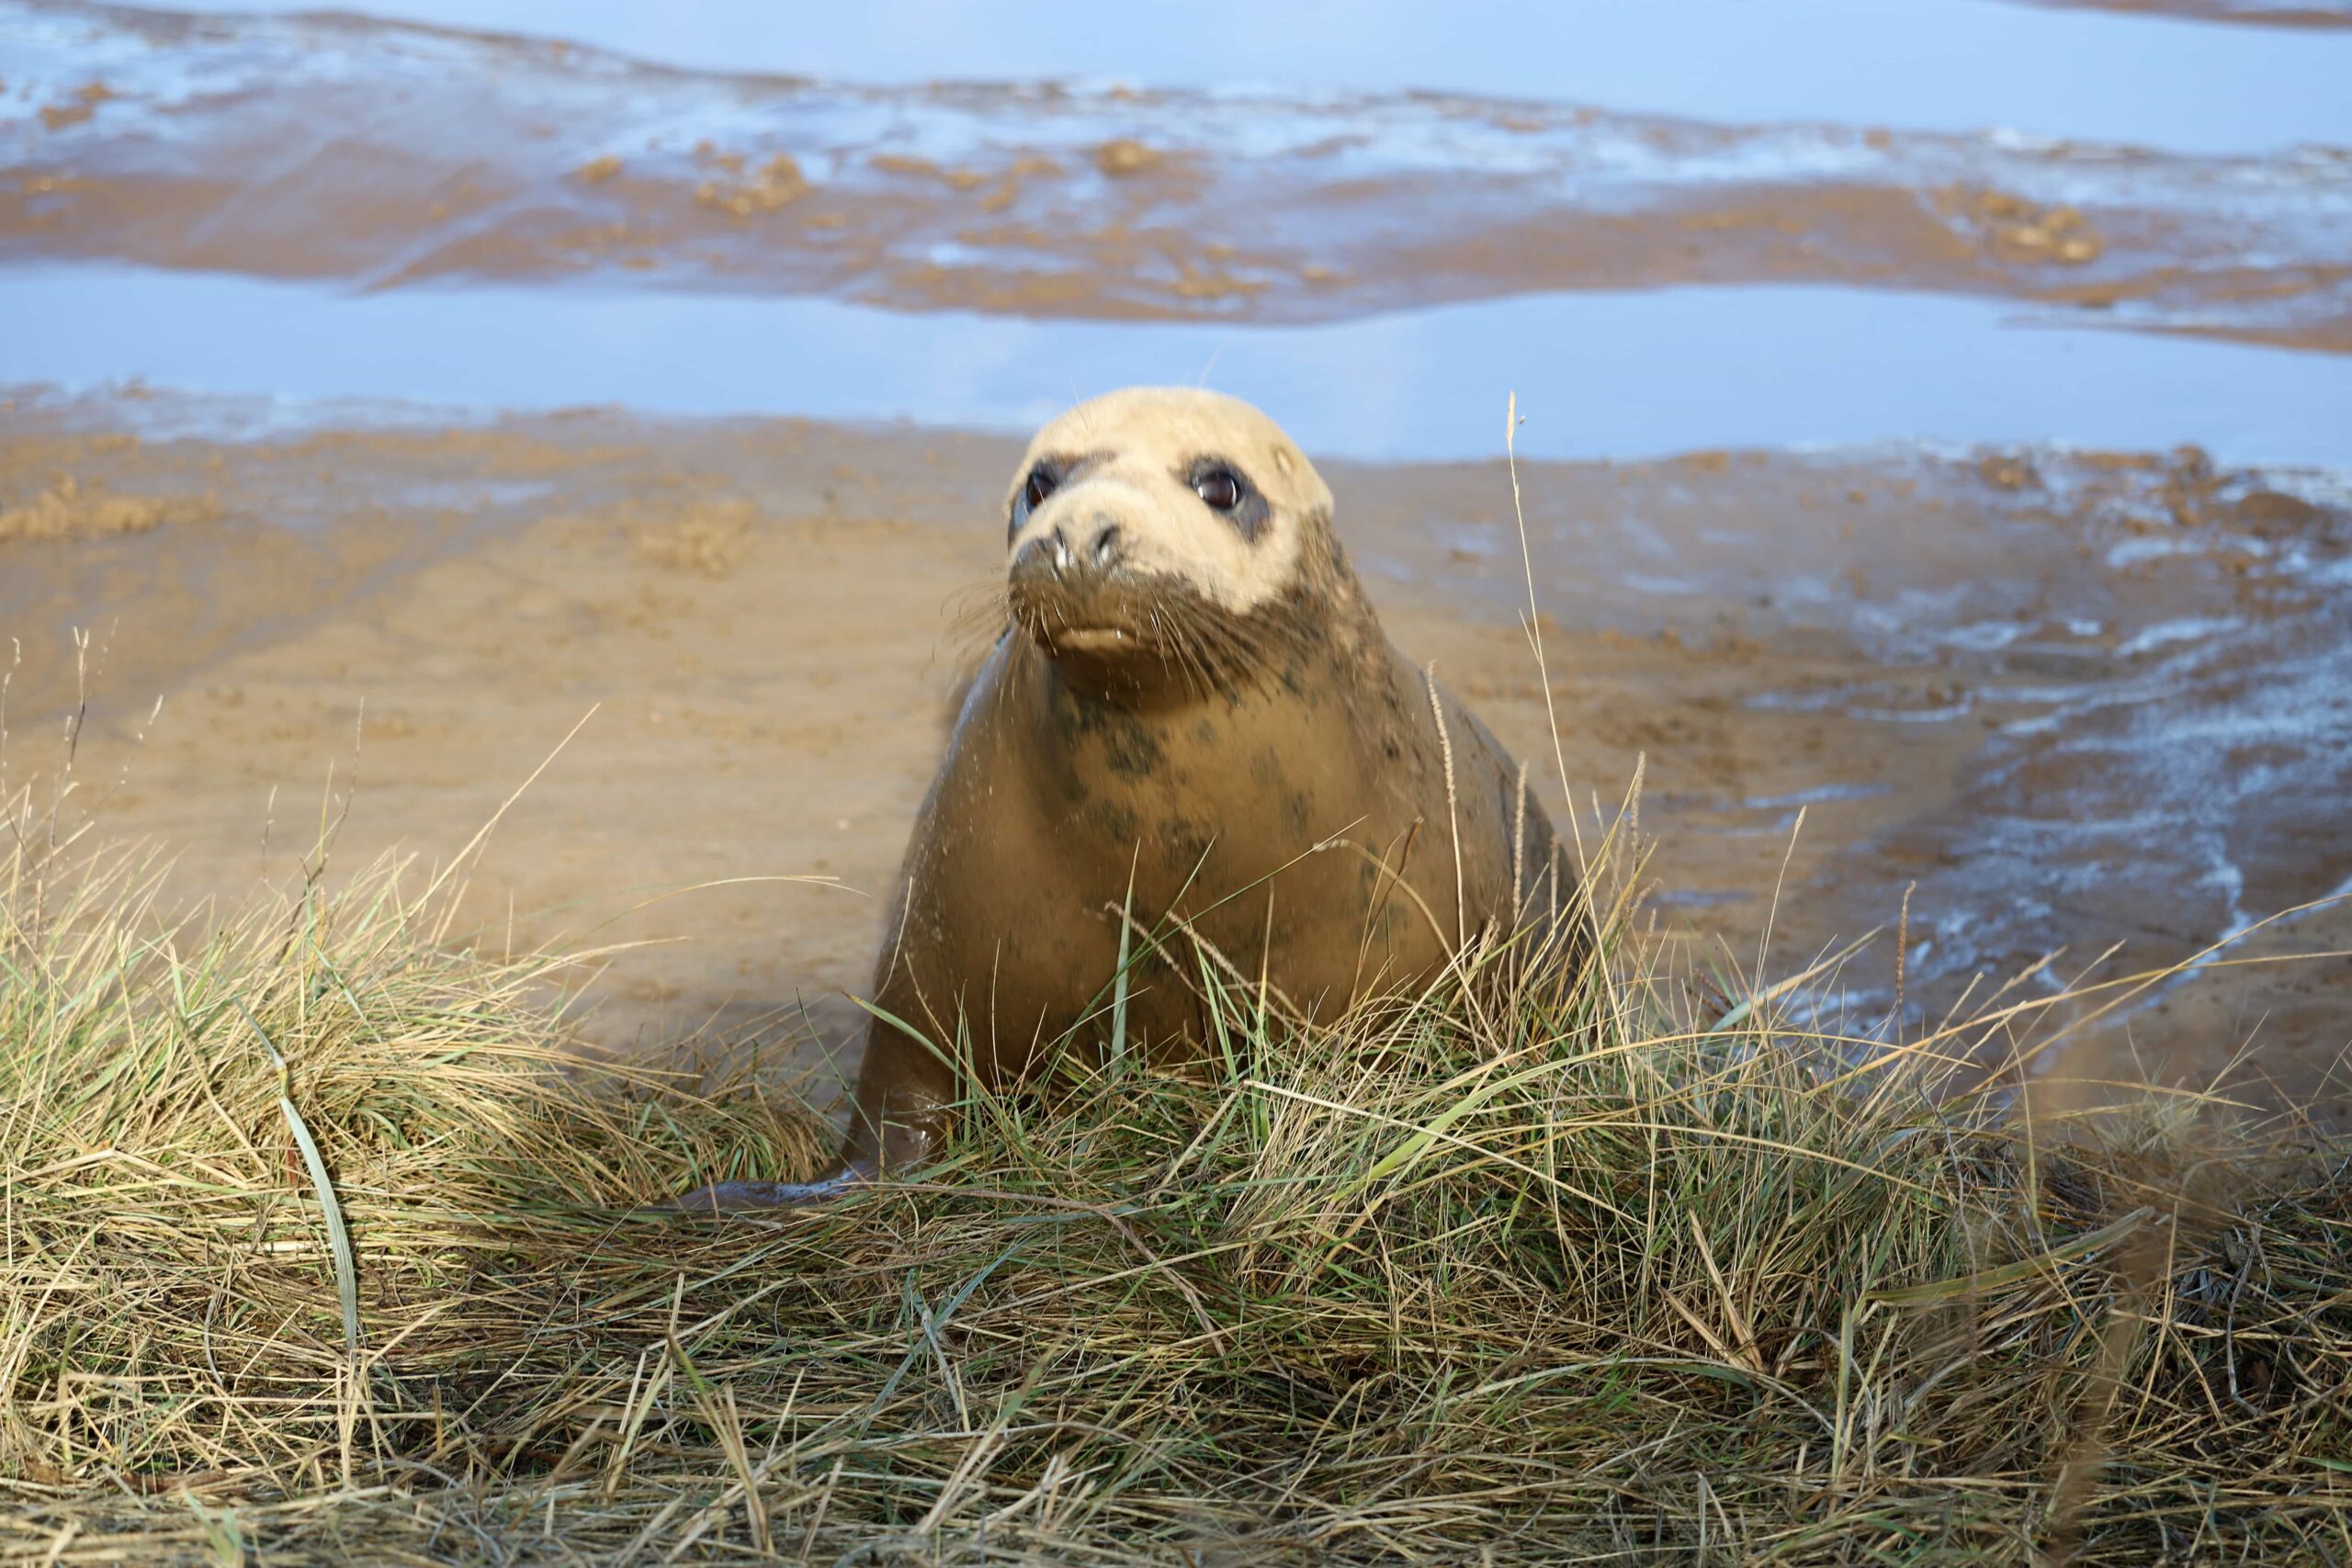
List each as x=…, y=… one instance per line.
x=1503, y=1276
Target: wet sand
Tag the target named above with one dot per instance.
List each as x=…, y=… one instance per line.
x=2128, y=732
x=1861, y=646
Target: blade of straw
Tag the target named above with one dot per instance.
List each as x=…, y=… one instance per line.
x=347, y=1265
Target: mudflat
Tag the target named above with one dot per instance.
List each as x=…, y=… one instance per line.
x=1864, y=542
x=2007, y=703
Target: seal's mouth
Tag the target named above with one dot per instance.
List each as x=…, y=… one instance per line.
x=1088, y=616
x=1096, y=640
x=1130, y=633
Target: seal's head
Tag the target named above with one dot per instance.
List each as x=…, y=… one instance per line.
x=1160, y=536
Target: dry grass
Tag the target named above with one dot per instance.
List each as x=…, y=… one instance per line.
x=1494, y=1278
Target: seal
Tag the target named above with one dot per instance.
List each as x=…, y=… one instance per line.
x=1189, y=742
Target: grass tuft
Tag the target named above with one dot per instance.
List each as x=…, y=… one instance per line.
x=1504, y=1274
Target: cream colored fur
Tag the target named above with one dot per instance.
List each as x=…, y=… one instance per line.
x=1146, y=440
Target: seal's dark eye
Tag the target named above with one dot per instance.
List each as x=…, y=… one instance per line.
x=1226, y=491
x=1032, y=493
x=1218, y=489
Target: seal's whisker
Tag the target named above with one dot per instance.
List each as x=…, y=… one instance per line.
x=1226, y=653
x=1179, y=647
x=1167, y=641
x=1198, y=680
x=980, y=611
x=1223, y=665
x=1198, y=657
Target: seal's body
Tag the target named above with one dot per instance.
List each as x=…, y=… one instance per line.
x=1192, y=731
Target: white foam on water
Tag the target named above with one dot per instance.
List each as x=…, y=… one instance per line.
x=2189, y=628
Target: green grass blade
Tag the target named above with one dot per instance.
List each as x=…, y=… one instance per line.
x=346, y=1263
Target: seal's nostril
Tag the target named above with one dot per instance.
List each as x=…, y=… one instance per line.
x=1061, y=552
x=1035, y=559
x=1106, y=545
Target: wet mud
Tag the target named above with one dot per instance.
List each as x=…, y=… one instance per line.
x=2030, y=712
x=388, y=157
x=2054, y=700
x=2258, y=13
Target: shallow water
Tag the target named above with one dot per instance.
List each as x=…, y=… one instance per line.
x=1597, y=374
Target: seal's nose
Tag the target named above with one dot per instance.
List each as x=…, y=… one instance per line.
x=1099, y=547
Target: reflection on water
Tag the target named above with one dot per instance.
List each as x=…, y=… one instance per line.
x=1597, y=374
